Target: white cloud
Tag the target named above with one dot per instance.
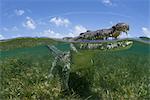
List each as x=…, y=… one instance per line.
x=107, y=2
x=79, y=29
x=146, y=31
x=19, y=12
x=124, y=35
x=50, y=33
x=30, y=23
x=1, y=37
x=74, y=32
x=60, y=21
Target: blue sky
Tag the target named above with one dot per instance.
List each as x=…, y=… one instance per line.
x=60, y=18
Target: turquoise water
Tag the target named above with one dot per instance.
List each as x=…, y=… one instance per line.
x=25, y=51
x=34, y=51
x=63, y=46
x=141, y=48
x=137, y=47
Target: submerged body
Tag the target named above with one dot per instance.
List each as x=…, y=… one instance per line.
x=60, y=66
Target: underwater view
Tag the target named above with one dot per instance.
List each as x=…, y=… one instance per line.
x=74, y=50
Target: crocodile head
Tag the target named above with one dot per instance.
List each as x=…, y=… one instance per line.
x=122, y=27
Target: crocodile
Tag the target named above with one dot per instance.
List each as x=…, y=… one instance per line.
x=101, y=34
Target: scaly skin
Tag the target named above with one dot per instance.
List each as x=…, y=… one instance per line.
x=114, y=32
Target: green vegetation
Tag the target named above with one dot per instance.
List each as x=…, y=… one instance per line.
x=26, y=42
x=122, y=74
x=118, y=75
